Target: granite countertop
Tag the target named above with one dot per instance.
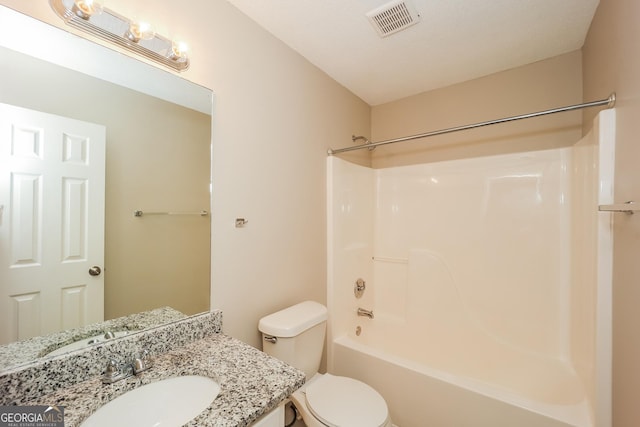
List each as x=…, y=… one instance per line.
x=251, y=383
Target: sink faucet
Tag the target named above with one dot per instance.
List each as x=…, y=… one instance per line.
x=366, y=313
x=140, y=363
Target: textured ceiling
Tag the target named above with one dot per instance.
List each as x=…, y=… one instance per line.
x=455, y=40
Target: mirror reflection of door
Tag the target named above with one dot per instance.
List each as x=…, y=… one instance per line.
x=52, y=178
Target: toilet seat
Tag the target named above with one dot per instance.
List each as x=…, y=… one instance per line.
x=341, y=401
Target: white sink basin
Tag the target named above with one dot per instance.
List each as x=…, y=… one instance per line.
x=170, y=402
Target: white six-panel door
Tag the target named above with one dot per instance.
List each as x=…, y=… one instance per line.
x=52, y=181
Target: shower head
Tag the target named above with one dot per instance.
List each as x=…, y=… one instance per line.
x=366, y=141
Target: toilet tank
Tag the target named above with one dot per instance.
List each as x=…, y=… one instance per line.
x=295, y=335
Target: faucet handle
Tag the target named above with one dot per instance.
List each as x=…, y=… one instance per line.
x=112, y=372
x=142, y=362
x=112, y=368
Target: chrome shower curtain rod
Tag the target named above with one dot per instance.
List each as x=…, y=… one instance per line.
x=609, y=102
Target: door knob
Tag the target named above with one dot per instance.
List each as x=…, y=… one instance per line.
x=95, y=270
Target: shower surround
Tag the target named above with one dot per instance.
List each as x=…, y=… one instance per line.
x=489, y=279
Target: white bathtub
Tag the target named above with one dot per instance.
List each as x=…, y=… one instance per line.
x=425, y=387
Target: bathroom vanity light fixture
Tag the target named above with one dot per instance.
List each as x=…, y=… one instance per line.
x=136, y=36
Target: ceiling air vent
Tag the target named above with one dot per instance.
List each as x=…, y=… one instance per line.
x=393, y=17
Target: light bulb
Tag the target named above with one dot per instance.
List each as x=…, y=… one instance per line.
x=86, y=8
x=140, y=30
x=179, y=51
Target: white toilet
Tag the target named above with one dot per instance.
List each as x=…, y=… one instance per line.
x=296, y=336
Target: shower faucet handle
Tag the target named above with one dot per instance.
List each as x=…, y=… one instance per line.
x=359, y=288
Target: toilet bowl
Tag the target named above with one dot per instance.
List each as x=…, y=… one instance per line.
x=296, y=336
x=333, y=401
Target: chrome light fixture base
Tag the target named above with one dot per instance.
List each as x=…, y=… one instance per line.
x=114, y=28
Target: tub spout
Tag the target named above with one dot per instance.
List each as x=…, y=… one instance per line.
x=366, y=313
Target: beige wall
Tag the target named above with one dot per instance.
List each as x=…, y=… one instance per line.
x=275, y=117
x=611, y=63
x=546, y=84
x=157, y=158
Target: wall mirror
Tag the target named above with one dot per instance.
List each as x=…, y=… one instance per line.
x=157, y=160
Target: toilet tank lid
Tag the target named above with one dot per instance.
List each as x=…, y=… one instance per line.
x=293, y=320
